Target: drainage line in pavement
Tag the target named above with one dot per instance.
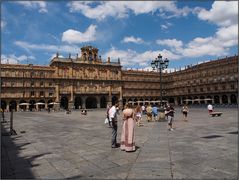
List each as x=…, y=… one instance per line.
x=170, y=159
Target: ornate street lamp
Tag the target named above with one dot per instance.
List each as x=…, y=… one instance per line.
x=160, y=65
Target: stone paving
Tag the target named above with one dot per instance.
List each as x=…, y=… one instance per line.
x=74, y=146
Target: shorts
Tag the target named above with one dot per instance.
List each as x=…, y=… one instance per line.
x=185, y=113
x=170, y=120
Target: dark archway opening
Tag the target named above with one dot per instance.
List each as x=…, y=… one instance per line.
x=216, y=100
x=233, y=99
x=64, y=102
x=32, y=105
x=91, y=103
x=3, y=105
x=78, y=103
x=103, y=102
x=114, y=100
x=13, y=105
x=224, y=99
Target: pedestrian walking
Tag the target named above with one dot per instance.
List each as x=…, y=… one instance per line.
x=113, y=116
x=138, y=112
x=155, y=112
x=170, y=114
x=185, y=112
x=127, y=142
x=149, y=113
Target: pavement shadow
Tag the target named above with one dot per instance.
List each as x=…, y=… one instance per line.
x=14, y=166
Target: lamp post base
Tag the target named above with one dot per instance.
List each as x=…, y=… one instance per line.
x=161, y=114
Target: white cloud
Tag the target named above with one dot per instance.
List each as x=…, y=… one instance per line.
x=13, y=59
x=47, y=47
x=222, y=13
x=165, y=26
x=131, y=58
x=3, y=24
x=40, y=5
x=121, y=9
x=173, y=43
x=132, y=40
x=72, y=36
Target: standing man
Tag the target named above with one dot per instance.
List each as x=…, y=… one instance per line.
x=113, y=116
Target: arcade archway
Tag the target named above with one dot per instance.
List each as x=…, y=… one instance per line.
x=64, y=102
x=103, y=102
x=90, y=103
x=233, y=99
x=78, y=103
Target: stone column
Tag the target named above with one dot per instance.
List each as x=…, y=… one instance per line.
x=98, y=101
x=121, y=98
x=110, y=96
x=229, y=99
x=57, y=92
x=220, y=99
x=83, y=102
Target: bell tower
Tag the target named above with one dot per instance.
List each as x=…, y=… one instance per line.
x=89, y=53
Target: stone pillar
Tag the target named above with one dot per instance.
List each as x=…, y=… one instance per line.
x=110, y=96
x=121, y=98
x=83, y=102
x=72, y=94
x=176, y=101
x=45, y=105
x=57, y=93
x=7, y=108
x=220, y=99
x=98, y=101
x=229, y=99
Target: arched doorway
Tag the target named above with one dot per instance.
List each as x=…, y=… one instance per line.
x=224, y=99
x=22, y=105
x=64, y=102
x=41, y=105
x=114, y=99
x=216, y=99
x=78, y=103
x=171, y=100
x=50, y=105
x=91, y=102
x=32, y=104
x=179, y=100
x=103, y=102
x=3, y=104
x=13, y=105
x=202, y=101
x=233, y=99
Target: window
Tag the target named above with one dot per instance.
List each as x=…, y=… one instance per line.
x=50, y=94
x=32, y=83
x=208, y=88
x=41, y=93
x=12, y=84
x=41, y=74
x=32, y=74
x=50, y=83
x=215, y=88
x=189, y=91
x=232, y=86
x=223, y=87
x=201, y=89
x=32, y=93
x=41, y=83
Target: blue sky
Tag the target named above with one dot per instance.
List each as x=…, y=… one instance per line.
x=187, y=32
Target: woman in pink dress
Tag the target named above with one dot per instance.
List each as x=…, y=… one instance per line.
x=127, y=135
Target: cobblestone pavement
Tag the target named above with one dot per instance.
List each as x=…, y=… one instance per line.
x=74, y=146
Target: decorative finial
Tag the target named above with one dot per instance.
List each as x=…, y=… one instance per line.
x=108, y=59
x=57, y=54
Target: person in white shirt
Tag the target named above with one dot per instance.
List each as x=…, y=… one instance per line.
x=210, y=108
x=113, y=117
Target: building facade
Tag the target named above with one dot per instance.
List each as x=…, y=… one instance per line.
x=89, y=82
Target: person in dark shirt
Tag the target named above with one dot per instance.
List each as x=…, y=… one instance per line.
x=170, y=114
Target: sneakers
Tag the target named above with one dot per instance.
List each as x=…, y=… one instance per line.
x=171, y=129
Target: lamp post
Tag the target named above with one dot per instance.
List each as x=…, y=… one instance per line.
x=160, y=65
